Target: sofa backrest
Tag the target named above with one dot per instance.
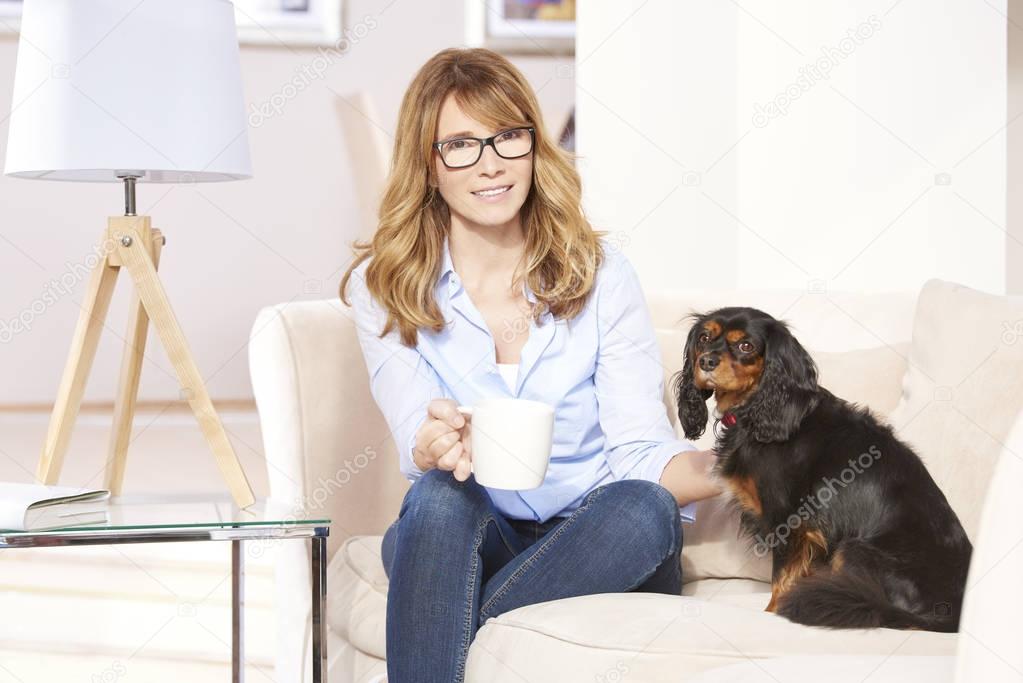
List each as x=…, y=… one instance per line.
x=962, y=393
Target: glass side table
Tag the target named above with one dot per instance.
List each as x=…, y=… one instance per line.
x=169, y=518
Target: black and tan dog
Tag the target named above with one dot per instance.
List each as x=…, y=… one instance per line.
x=861, y=535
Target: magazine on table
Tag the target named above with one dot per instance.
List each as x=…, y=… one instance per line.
x=37, y=507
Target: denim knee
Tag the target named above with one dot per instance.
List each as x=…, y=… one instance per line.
x=437, y=493
x=648, y=507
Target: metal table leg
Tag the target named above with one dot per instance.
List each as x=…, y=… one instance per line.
x=237, y=615
x=319, y=608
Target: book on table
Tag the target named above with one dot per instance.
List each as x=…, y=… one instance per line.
x=37, y=507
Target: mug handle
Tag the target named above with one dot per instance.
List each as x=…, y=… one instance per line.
x=467, y=412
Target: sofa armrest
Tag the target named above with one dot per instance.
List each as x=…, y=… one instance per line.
x=329, y=451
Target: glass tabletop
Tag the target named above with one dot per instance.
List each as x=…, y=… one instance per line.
x=187, y=511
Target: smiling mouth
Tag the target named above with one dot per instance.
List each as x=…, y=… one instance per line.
x=492, y=192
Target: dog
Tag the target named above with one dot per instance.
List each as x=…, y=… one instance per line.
x=862, y=537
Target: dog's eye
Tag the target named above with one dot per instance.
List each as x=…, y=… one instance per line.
x=704, y=338
x=746, y=347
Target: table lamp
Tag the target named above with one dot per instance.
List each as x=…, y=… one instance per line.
x=129, y=92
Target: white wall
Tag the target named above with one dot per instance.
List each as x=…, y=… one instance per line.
x=655, y=91
x=232, y=248
x=886, y=173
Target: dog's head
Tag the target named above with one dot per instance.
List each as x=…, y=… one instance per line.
x=755, y=369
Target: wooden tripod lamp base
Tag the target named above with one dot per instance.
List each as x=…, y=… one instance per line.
x=130, y=242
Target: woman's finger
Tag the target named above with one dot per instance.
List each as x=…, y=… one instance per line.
x=443, y=443
x=446, y=410
x=450, y=459
x=464, y=467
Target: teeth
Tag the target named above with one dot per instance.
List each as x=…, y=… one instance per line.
x=492, y=193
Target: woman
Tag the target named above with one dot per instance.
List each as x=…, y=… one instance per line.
x=485, y=279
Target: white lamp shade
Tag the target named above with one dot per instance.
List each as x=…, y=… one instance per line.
x=109, y=86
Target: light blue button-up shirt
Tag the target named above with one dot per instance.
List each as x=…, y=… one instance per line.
x=601, y=371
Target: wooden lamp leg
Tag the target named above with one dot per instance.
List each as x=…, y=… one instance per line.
x=76, y=371
x=132, y=236
x=140, y=253
x=128, y=385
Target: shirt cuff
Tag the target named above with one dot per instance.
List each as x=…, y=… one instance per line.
x=413, y=472
x=687, y=513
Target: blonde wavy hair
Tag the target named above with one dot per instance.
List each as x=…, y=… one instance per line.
x=562, y=251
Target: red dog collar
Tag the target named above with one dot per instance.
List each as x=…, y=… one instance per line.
x=728, y=419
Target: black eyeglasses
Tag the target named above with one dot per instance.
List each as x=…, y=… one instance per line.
x=464, y=152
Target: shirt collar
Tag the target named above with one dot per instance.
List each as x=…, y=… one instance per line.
x=446, y=266
x=448, y=274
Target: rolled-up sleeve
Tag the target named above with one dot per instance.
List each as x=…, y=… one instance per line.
x=629, y=384
x=402, y=382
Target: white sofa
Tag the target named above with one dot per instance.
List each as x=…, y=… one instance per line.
x=943, y=366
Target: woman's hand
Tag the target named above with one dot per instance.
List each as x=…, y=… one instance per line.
x=690, y=476
x=443, y=441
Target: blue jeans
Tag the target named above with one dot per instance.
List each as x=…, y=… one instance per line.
x=454, y=561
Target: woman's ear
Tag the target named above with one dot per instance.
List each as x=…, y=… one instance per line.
x=691, y=401
x=787, y=390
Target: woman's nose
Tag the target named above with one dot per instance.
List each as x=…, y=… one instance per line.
x=490, y=162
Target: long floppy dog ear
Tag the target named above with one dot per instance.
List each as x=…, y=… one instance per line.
x=787, y=390
x=691, y=401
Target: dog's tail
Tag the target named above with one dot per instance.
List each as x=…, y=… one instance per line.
x=855, y=599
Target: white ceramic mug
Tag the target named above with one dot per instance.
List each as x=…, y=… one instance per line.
x=511, y=442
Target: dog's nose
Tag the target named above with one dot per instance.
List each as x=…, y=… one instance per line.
x=709, y=361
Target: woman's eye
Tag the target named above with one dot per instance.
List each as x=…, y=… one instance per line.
x=510, y=135
x=457, y=144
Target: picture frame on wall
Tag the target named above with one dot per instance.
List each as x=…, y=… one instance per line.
x=10, y=16
x=530, y=26
x=260, y=22
x=289, y=22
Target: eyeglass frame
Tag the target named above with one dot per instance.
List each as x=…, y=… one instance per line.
x=483, y=145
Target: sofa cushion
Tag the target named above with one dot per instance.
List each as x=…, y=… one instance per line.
x=641, y=636
x=872, y=377
x=357, y=595
x=357, y=600
x=670, y=626
x=835, y=669
x=723, y=589
x=962, y=392
x=713, y=548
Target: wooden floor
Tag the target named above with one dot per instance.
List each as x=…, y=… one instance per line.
x=147, y=612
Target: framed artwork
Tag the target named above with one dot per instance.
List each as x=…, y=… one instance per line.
x=530, y=26
x=260, y=22
x=288, y=22
x=10, y=16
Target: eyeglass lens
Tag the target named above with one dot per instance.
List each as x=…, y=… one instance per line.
x=467, y=151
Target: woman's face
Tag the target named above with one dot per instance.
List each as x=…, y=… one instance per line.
x=491, y=191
